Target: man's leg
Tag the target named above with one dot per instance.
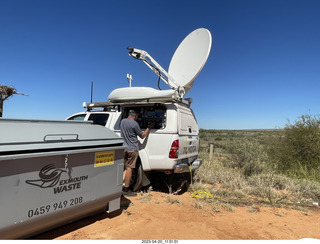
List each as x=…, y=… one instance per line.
x=124, y=174
x=127, y=177
x=130, y=163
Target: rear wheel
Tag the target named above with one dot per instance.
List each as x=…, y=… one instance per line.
x=139, y=178
x=134, y=175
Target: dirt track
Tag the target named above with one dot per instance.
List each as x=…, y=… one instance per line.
x=159, y=216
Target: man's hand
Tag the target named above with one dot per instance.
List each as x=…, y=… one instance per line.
x=151, y=125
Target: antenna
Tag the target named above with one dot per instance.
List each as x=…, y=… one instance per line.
x=129, y=77
x=91, y=90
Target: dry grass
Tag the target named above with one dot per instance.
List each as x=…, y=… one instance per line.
x=231, y=186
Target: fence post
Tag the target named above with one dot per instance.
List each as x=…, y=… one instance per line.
x=211, y=152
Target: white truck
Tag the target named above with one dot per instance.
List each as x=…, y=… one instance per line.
x=172, y=146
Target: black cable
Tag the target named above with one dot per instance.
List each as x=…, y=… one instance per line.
x=159, y=73
x=159, y=79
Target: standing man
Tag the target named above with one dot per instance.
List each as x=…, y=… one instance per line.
x=130, y=129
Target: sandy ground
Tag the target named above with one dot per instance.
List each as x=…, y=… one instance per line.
x=160, y=216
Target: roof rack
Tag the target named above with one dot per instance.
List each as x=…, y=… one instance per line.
x=108, y=105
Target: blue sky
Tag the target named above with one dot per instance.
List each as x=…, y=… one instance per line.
x=263, y=69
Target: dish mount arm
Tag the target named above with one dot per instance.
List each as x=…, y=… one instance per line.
x=156, y=68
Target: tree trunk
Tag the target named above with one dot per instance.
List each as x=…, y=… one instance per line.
x=1, y=107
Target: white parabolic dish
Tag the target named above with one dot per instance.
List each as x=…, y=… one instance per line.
x=190, y=57
x=186, y=63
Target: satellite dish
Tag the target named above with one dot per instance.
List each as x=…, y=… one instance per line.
x=190, y=57
x=186, y=63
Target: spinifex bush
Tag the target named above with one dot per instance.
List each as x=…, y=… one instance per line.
x=214, y=172
x=296, y=151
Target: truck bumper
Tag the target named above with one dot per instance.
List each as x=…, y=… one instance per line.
x=184, y=167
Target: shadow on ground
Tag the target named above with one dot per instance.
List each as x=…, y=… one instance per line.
x=77, y=224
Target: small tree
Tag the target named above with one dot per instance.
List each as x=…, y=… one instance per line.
x=5, y=93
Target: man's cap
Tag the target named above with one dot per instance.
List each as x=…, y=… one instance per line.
x=132, y=112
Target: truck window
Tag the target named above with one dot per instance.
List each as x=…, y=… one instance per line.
x=99, y=119
x=79, y=117
x=149, y=114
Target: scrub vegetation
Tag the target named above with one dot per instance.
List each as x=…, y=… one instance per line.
x=277, y=167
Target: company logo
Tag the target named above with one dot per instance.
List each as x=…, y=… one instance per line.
x=52, y=177
x=49, y=177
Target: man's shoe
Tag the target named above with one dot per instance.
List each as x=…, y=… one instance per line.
x=129, y=193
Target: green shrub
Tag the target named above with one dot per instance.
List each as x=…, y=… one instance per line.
x=247, y=155
x=306, y=190
x=296, y=151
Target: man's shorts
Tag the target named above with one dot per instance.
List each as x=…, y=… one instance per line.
x=130, y=159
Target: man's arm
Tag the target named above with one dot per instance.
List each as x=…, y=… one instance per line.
x=145, y=133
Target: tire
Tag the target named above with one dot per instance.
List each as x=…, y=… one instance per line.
x=139, y=178
x=134, y=176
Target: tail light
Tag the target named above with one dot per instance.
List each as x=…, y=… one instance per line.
x=174, y=150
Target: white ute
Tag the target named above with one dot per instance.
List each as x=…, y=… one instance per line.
x=171, y=149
